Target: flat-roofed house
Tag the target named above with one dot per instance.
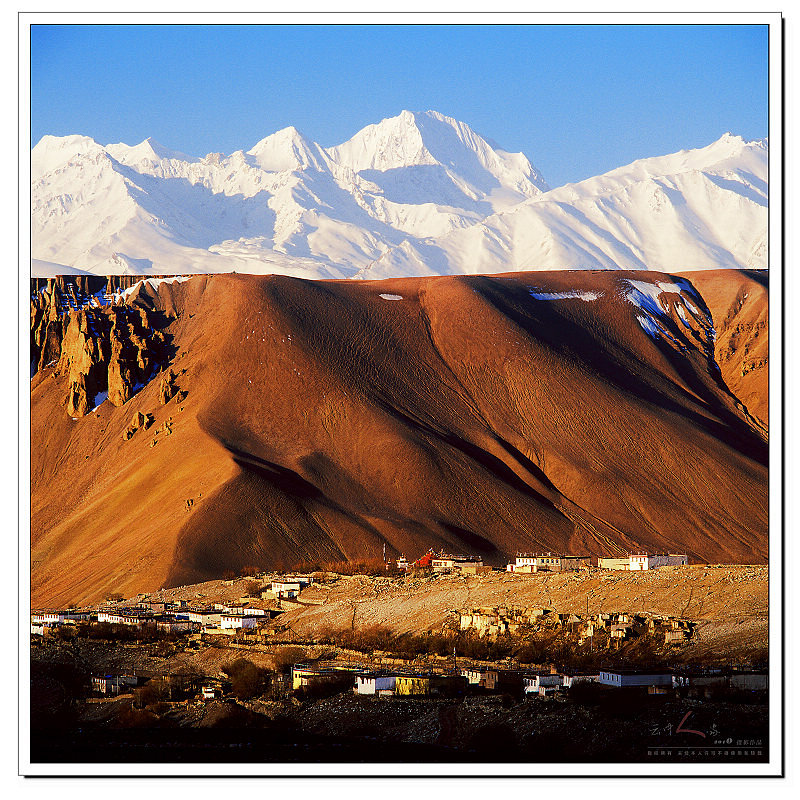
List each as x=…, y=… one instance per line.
x=375, y=683
x=413, y=685
x=285, y=590
x=309, y=676
x=637, y=562
x=546, y=562
x=570, y=679
x=205, y=617
x=623, y=564
x=237, y=622
x=125, y=617
x=531, y=684
x=48, y=618
x=172, y=624
x=625, y=678
x=483, y=677
x=116, y=684
x=642, y=561
x=449, y=563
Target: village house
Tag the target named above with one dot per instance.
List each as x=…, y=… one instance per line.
x=409, y=685
x=116, y=684
x=546, y=562
x=483, y=677
x=675, y=636
x=570, y=679
x=237, y=622
x=248, y=611
x=204, y=617
x=642, y=561
x=308, y=676
x=626, y=678
x=171, y=624
x=636, y=562
x=623, y=564
x=125, y=617
x=473, y=568
x=303, y=580
x=375, y=683
x=751, y=681
x=285, y=590
x=448, y=563
x=449, y=685
x=49, y=618
x=531, y=684
x=155, y=606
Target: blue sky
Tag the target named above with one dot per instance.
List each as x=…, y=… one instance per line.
x=577, y=100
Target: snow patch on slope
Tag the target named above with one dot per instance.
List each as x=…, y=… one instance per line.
x=569, y=295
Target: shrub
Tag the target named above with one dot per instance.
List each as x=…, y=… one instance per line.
x=153, y=692
x=249, y=571
x=253, y=588
x=247, y=680
x=287, y=657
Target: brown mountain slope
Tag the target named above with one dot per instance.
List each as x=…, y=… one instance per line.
x=324, y=418
x=739, y=305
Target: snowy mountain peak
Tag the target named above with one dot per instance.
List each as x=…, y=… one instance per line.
x=147, y=151
x=429, y=138
x=287, y=150
x=52, y=152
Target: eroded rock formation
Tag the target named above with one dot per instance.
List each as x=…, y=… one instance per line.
x=113, y=349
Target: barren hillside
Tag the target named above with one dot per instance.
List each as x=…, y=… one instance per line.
x=582, y=412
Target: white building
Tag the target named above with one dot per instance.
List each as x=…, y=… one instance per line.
x=123, y=617
x=643, y=561
x=626, y=678
x=204, y=618
x=237, y=621
x=533, y=683
x=570, y=679
x=448, y=563
x=247, y=611
x=285, y=590
x=523, y=563
x=48, y=618
x=636, y=562
x=373, y=683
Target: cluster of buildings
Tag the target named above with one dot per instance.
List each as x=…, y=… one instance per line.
x=517, y=682
x=526, y=563
x=169, y=617
x=445, y=563
x=180, y=617
x=619, y=626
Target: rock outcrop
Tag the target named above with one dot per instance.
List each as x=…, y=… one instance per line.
x=139, y=420
x=111, y=349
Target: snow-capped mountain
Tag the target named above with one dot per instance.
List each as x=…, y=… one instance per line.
x=419, y=193
x=697, y=209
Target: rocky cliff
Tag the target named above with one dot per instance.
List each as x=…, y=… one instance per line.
x=97, y=349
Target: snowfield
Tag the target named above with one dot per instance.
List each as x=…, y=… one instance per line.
x=416, y=194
